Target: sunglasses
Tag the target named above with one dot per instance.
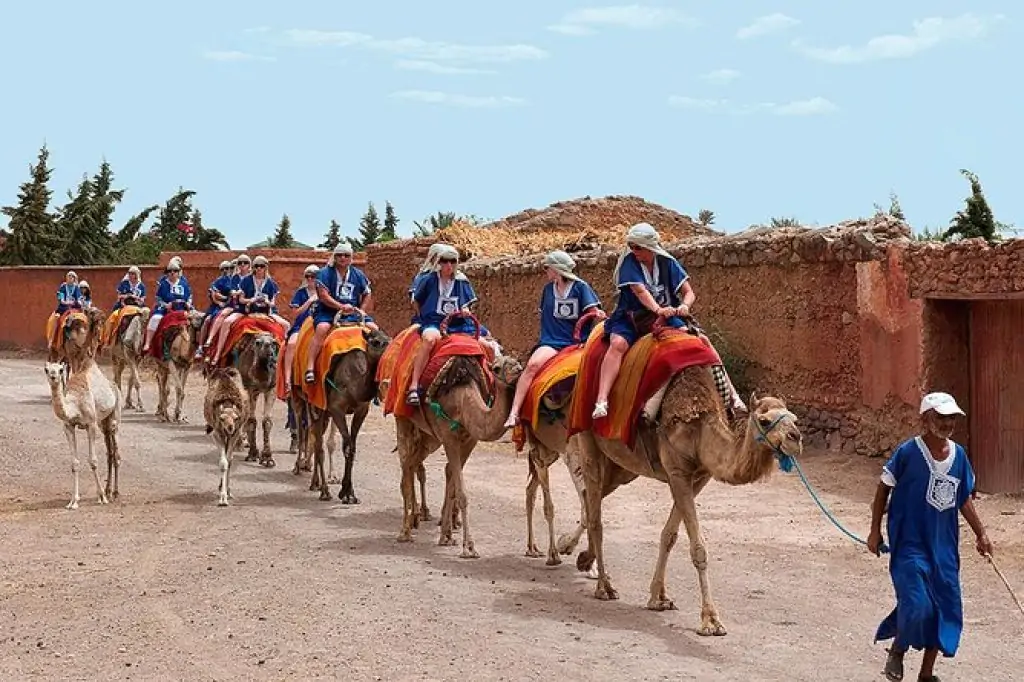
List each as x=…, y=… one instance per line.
x=310, y=276
x=260, y=266
x=447, y=260
x=635, y=247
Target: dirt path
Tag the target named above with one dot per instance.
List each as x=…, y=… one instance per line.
x=165, y=585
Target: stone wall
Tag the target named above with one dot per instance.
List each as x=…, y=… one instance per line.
x=966, y=269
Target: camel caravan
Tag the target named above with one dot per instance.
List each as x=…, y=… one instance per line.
x=617, y=391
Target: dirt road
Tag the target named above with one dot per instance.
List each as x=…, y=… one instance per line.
x=163, y=584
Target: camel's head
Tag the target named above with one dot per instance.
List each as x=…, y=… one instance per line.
x=264, y=350
x=377, y=342
x=507, y=369
x=229, y=421
x=56, y=374
x=775, y=426
x=195, y=319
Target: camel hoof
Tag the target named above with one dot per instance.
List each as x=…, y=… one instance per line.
x=533, y=553
x=711, y=629
x=469, y=554
x=446, y=542
x=72, y=505
x=223, y=502
x=553, y=560
x=425, y=514
x=404, y=536
x=566, y=544
x=267, y=462
x=252, y=456
x=605, y=592
x=325, y=495
x=102, y=499
x=592, y=573
x=348, y=498
x=661, y=605
x=140, y=408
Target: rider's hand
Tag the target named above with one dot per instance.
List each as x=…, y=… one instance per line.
x=347, y=309
x=665, y=312
x=875, y=542
x=683, y=310
x=984, y=545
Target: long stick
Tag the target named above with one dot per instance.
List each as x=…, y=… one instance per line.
x=1005, y=582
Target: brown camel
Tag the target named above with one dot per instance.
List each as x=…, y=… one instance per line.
x=462, y=418
x=126, y=353
x=87, y=400
x=181, y=341
x=688, y=443
x=257, y=357
x=226, y=410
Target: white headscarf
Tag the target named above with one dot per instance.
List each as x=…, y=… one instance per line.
x=340, y=248
x=644, y=235
x=562, y=263
x=447, y=251
x=430, y=263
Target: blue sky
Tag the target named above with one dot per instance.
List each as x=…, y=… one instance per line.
x=750, y=108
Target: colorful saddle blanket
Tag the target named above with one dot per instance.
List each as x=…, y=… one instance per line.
x=57, y=326
x=117, y=323
x=162, y=337
x=555, y=380
x=254, y=323
x=339, y=341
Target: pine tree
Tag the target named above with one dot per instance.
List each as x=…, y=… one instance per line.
x=107, y=197
x=333, y=236
x=390, y=231
x=31, y=237
x=82, y=221
x=282, y=238
x=172, y=221
x=369, y=230
x=976, y=219
x=706, y=217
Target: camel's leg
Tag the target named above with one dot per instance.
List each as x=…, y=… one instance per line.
x=659, y=600
x=567, y=543
x=421, y=474
x=118, y=364
x=332, y=446
x=225, y=473
x=113, y=457
x=181, y=374
x=684, y=492
x=554, y=559
x=267, y=453
x=250, y=427
x=321, y=421
x=133, y=378
x=72, y=438
x=595, y=471
x=409, y=456
x=94, y=463
x=531, y=497
x=449, y=510
x=347, y=494
x=161, y=390
x=461, y=500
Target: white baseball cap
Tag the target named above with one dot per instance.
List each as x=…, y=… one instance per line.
x=943, y=403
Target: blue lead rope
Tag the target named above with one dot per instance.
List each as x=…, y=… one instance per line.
x=787, y=463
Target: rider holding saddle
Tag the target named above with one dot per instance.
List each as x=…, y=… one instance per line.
x=258, y=293
x=130, y=290
x=173, y=293
x=219, y=293
x=563, y=302
x=340, y=288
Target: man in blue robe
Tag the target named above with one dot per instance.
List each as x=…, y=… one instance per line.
x=930, y=480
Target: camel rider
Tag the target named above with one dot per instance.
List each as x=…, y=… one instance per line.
x=429, y=264
x=68, y=294
x=86, y=294
x=219, y=292
x=173, y=293
x=340, y=288
x=302, y=303
x=441, y=292
x=131, y=290
x=257, y=293
x=563, y=301
x=232, y=307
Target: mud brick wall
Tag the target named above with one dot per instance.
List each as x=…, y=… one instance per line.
x=965, y=269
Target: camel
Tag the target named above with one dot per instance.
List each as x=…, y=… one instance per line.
x=461, y=420
x=87, y=400
x=126, y=353
x=688, y=443
x=82, y=340
x=182, y=347
x=257, y=363
x=226, y=409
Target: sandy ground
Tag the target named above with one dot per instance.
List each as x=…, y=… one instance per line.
x=163, y=584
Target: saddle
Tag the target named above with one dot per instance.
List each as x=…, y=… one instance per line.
x=253, y=323
x=166, y=331
x=57, y=327
x=117, y=323
x=341, y=340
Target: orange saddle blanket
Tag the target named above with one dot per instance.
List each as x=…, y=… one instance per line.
x=560, y=371
x=56, y=324
x=116, y=322
x=254, y=323
x=395, y=367
x=171, y=320
x=341, y=340
x=647, y=365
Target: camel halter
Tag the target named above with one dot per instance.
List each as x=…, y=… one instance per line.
x=788, y=463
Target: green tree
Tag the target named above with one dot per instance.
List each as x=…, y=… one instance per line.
x=179, y=226
x=975, y=219
x=132, y=245
x=784, y=222
x=390, y=231
x=369, y=230
x=705, y=217
x=283, y=238
x=433, y=223
x=104, y=194
x=31, y=237
x=895, y=210
x=86, y=239
x=333, y=236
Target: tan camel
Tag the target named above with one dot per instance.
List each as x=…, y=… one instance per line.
x=83, y=340
x=87, y=400
x=126, y=353
x=464, y=419
x=182, y=342
x=688, y=443
x=226, y=410
x=257, y=358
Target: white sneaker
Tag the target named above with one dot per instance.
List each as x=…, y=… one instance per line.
x=600, y=410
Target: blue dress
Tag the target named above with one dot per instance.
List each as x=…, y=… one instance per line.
x=172, y=296
x=69, y=296
x=126, y=288
x=222, y=285
x=268, y=289
x=663, y=283
x=558, y=316
x=924, y=535
x=298, y=300
x=435, y=304
x=348, y=290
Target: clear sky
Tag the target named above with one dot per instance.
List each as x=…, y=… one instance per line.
x=751, y=108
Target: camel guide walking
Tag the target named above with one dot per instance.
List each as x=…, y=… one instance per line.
x=931, y=482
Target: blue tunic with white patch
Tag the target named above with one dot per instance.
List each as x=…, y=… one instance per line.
x=299, y=299
x=347, y=289
x=222, y=285
x=663, y=281
x=437, y=300
x=172, y=296
x=267, y=289
x=558, y=315
x=924, y=535
x=136, y=291
x=68, y=296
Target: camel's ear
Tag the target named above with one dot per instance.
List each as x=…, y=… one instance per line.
x=753, y=400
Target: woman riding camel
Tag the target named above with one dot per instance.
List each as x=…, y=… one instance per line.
x=243, y=267
x=564, y=300
x=651, y=284
x=219, y=292
x=439, y=293
x=130, y=290
x=302, y=303
x=173, y=293
x=69, y=295
x=258, y=293
x=340, y=288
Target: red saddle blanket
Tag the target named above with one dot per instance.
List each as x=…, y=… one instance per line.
x=254, y=323
x=647, y=365
x=173, y=319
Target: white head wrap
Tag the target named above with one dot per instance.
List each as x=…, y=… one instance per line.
x=174, y=263
x=562, y=263
x=447, y=251
x=135, y=269
x=432, y=254
x=84, y=285
x=340, y=248
x=260, y=260
x=311, y=270
x=644, y=235
x=71, y=273
x=225, y=264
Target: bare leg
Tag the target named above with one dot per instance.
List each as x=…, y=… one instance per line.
x=289, y=357
x=224, y=334
x=928, y=664
x=430, y=338
x=609, y=371
x=537, y=360
x=315, y=346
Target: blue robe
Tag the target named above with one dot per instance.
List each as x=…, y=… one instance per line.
x=298, y=300
x=172, y=296
x=558, y=316
x=222, y=285
x=663, y=283
x=126, y=288
x=68, y=296
x=269, y=290
x=434, y=306
x=924, y=538
x=350, y=289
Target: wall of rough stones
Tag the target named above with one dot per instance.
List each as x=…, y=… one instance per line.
x=967, y=269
